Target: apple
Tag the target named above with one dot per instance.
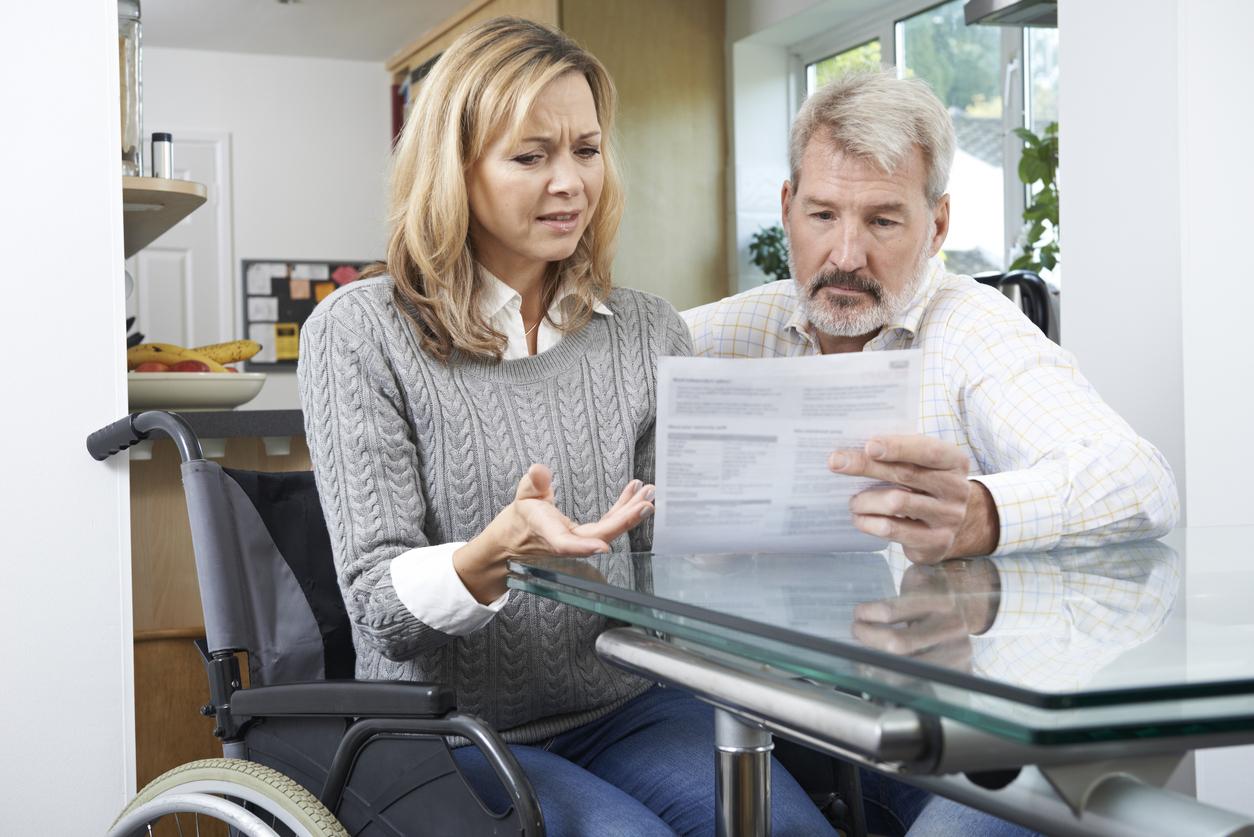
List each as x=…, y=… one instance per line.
x=152, y=366
x=189, y=366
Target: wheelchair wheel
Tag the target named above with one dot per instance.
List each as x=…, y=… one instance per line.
x=253, y=799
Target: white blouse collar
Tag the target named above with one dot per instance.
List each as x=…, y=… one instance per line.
x=497, y=296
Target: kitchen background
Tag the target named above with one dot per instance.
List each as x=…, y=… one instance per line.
x=1153, y=141
x=284, y=112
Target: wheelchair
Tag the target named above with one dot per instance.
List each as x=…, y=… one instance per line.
x=308, y=750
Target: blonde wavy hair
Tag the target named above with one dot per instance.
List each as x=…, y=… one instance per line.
x=488, y=78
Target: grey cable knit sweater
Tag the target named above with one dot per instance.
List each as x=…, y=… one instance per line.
x=410, y=452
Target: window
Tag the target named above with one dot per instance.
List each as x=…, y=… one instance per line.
x=963, y=65
x=993, y=80
x=1041, y=89
x=1040, y=105
x=864, y=57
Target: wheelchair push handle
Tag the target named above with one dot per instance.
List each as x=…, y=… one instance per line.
x=137, y=427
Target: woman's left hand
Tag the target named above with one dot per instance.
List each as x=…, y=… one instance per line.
x=533, y=525
x=558, y=534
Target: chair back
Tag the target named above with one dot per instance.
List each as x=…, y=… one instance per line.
x=1036, y=297
x=267, y=578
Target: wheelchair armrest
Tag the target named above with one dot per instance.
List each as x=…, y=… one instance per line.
x=345, y=698
x=489, y=743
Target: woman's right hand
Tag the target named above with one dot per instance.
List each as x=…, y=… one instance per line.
x=532, y=525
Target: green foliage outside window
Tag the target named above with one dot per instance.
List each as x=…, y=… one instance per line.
x=962, y=63
x=865, y=57
x=1039, y=165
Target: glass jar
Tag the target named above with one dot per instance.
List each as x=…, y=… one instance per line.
x=131, y=93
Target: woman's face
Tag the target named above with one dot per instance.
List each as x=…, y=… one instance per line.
x=532, y=199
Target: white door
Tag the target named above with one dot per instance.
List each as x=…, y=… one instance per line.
x=185, y=280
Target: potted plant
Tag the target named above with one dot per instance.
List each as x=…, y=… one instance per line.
x=768, y=251
x=1039, y=164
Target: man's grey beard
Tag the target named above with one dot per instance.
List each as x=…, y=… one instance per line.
x=851, y=316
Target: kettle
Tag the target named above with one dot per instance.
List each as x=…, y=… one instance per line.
x=1034, y=295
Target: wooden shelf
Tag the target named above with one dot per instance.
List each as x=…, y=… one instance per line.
x=151, y=205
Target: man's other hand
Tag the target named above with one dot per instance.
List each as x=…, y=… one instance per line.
x=937, y=612
x=935, y=512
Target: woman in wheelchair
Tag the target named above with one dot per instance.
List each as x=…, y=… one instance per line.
x=488, y=393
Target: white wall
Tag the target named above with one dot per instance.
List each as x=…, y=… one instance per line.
x=66, y=701
x=1216, y=276
x=759, y=114
x=310, y=140
x=1159, y=283
x=1156, y=210
x=1120, y=187
x=1217, y=296
x=787, y=21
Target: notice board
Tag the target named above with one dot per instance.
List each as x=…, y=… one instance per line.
x=279, y=296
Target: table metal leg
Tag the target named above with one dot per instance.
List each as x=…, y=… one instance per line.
x=1055, y=796
x=743, y=777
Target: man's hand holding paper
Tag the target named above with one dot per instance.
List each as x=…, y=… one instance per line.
x=746, y=451
x=932, y=509
x=743, y=447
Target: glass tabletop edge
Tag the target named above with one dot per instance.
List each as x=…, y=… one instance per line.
x=903, y=665
x=1077, y=733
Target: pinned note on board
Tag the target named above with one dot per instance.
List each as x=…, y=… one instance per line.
x=279, y=295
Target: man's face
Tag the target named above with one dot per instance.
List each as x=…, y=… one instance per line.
x=859, y=238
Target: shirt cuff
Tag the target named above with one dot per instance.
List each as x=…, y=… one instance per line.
x=1029, y=510
x=1031, y=596
x=430, y=588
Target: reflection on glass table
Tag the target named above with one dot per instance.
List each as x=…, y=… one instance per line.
x=1050, y=648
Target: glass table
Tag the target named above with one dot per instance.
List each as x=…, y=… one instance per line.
x=1057, y=689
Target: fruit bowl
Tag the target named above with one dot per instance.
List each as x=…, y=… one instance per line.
x=192, y=390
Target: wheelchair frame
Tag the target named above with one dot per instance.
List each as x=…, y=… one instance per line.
x=375, y=753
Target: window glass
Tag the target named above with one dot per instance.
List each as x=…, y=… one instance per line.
x=1040, y=93
x=963, y=65
x=864, y=57
x=1042, y=77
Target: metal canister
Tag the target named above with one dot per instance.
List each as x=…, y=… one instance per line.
x=162, y=155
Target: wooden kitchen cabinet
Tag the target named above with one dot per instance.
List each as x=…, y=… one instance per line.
x=431, y=43
x=667, y=60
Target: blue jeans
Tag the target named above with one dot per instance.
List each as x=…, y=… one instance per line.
x=897, y=809
x=645, y=769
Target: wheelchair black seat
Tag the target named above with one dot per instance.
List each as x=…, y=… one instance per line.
x=288, y=507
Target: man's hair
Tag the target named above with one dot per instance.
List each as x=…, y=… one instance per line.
x=878, y=117
x=482, y=87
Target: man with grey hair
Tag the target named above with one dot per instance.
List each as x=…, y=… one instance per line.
x=1015, y=451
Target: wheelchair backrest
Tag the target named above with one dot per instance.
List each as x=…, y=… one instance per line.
x=267, y=578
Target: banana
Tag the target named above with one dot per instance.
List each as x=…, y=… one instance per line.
x=168, y=353
x=231, y=352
